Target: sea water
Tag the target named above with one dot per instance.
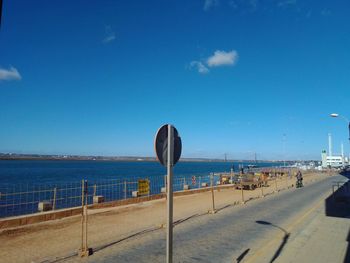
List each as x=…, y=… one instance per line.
x=25, y=183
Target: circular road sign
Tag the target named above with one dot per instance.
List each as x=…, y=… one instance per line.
x=193, y=180
x=161, y=145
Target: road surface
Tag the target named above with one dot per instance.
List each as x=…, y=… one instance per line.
x=233, y=234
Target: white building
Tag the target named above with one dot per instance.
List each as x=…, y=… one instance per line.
x=335, y=161
x=332, y=161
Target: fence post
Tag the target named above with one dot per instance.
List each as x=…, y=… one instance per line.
x=84, y=250
x=82, y=218
x=240, y=175
x=243, y=202
x=166, y=187
x=125, y=190
x=184, y=183
x=54, y=198
x=95, y=189
x=213, y=211
x=86, y=215
x=286, y=182
x=82, y=192
x=276, y=190
x=199, y=181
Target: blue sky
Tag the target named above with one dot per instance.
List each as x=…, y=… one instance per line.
x=234, y=76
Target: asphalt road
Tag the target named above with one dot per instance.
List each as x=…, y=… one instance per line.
x=233, y=233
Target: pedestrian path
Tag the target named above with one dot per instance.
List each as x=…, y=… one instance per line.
x=322, y=236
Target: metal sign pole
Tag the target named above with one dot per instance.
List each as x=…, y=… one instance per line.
x=168, y=147
x=169, y=243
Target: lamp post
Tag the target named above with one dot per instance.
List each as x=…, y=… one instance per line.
x=336, y=115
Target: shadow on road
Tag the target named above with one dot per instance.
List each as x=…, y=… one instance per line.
x=284, y=240
x=241, y=256
x=338, y=204
x=347, y=256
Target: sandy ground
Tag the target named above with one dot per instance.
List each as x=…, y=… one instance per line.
x=45, y=242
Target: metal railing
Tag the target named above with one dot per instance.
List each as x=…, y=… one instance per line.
x=24, y=199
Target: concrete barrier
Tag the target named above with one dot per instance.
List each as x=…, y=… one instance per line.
x=98, y=199
x=44, y=206
x=18, y=221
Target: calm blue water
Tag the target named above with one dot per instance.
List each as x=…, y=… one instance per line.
x=43, y=172
x=24, y=183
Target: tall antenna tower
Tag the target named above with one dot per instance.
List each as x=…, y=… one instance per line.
x=329, y=144
x=342, y=150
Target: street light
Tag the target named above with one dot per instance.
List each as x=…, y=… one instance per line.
x=336, y=115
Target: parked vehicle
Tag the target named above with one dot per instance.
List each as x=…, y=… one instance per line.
x=249, y=182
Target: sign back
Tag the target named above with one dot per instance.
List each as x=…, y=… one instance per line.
x=161, y=145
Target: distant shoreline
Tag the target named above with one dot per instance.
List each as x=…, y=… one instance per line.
x=29, y=157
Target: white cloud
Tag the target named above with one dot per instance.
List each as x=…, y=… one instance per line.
x=209, y=4
x=233, y=4
x=308, y=14
x=222, y=58
x=9, y=74
x=285, y=3
x=109, y=38
x=253, y=4
x=200, y=67
x=326, y=12
x=110, y=35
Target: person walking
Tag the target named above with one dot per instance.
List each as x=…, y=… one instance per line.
x=299, y=177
